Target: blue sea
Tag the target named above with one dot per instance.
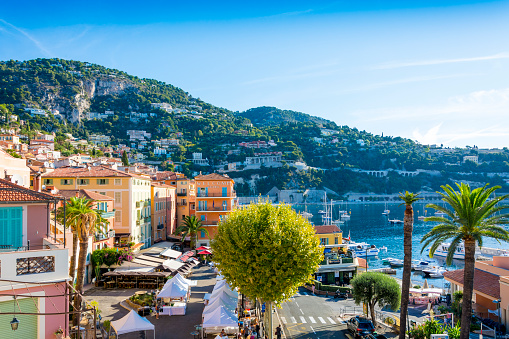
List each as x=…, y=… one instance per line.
x=367, y=224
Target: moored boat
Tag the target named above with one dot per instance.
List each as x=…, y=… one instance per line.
x=443, y=249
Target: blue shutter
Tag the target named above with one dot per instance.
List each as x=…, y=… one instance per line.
x=225, y=192
x=11, y=226
x=202, y=218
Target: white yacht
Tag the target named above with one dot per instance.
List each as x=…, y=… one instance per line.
x=434, y=272
x=440, y=214
x=363, y=249
x=396, y=263
x=443, y=248
x=419, y=265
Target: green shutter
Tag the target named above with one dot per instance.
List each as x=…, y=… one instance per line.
x=27, y=323
x=11, y=226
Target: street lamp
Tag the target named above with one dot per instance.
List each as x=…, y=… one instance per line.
x=14, y=324
x=498, y=308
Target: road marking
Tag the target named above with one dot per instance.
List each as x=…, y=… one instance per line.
x=297, y=294
x=297, y=304
x=341, y=321
x=284, y=320
x=301, y=311
x=303, y=320
x=305, y=293
x=321, y=319
x=312, y=329
x=331, y=321
x=312, y=320
x=293, y=320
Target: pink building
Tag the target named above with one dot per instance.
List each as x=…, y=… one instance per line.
x=34, y=265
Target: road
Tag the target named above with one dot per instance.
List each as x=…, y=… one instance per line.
x=308, y=316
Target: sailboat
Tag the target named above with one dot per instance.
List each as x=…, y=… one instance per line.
x=422, y=217
x=343, y=215
x=386, y=211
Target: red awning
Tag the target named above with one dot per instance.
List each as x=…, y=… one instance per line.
x=205, y=252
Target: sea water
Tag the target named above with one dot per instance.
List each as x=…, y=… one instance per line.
x=367, y=224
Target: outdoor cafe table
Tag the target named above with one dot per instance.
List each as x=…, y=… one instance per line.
x=176, y=309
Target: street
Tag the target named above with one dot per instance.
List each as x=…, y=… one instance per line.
x=308, y=316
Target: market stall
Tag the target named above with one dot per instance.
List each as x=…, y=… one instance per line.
x=132, y=322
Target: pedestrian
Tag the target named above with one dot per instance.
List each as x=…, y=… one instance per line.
x=278, y=332
x=313, y=288
x=257, y=330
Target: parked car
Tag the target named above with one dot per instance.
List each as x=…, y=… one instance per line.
x=177, y=247
x=360, y=327
x=340, y=295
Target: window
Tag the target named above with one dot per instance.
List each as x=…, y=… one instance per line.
x=66, y=181
x=202, y=234
x=83, y=181
x=118, y=182
x=336, y=240
x=35, y=265
x=118, y=197
x=324, y=241
x=48, y=182
x=103, y=193
x=118, y=216
x=102, y=181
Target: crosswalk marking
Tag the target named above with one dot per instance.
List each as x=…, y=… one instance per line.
x=293, y=320
x=341, y=321
x=331, y=321
x=312, y=320
x=321, y=319
x=303, y=320
x=284, y=320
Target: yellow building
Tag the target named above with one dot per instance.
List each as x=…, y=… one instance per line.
x=131, y=194
x=329, y=235
x=215, y=199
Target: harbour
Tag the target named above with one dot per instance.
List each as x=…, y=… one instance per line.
x=370, y=223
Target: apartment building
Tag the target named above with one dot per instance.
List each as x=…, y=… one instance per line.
x=186, y=198
x=14, y=169
x=35, y=269
x=215, y=199
x=164, y=216
x=131, y=193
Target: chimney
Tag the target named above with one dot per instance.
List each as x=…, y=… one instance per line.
x=126, y=169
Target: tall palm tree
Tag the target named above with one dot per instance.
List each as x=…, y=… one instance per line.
x=408, y=224
x=85, y=220
x=190, y=226
x=471, y=216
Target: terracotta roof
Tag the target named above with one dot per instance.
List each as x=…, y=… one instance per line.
x=10, y=192
x=324, y=229
x=92, y=171
x=167, y=175
x=212, y=176
x=484, y=282
x=82, y=193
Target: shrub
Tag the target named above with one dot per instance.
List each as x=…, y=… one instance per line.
x=106, y=325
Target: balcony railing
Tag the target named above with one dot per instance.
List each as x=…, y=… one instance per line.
x=160, y=226
x=216, y=195
x=182, y=204
x=213, y=209
x=181, y=194
x=101, y=236
x=337, y=261
x=209, y=222
x=107, y=215
x=146, y=203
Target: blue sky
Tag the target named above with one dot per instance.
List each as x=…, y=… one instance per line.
x=432, y=71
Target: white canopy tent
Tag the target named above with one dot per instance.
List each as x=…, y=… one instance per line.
x=189, y=282
x=132, y=322
x=225, y=298
x=220, y=284
x=229, y=304
x=220, y=318
x=224, y=289
x=170, y=253
x=173, y=289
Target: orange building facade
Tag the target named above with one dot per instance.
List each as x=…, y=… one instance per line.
x=215, y=199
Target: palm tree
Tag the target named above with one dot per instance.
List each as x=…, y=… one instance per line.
x=85, y=220
x=190, y=226
x=409, y=199
x=471, y=217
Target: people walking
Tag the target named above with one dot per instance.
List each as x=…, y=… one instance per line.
x=278, y=332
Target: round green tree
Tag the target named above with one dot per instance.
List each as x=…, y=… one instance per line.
x=267, y=251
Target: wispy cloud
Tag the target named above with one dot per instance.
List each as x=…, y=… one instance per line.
x=29, y=37
x=504, y=55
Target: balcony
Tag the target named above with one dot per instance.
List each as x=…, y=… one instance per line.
x=34, y=266
x=210, y=222
x=101, y=236
x=160, y=226
x=216, y=195
x=146, y=203
x=147, y=219
x=107, y=215
x=214, y=209
x=336, y=260
x=182, y=204
x=181, y=194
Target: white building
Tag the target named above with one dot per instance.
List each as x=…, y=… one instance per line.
x=159, y=151
x=473, y=158
x=36, y=111
x=198, y=160
x=162, y=105
x=138, y=135
x=264, y=158
x=99, y=139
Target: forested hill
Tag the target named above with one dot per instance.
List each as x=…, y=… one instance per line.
x=91, y=101
x=270, y=116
